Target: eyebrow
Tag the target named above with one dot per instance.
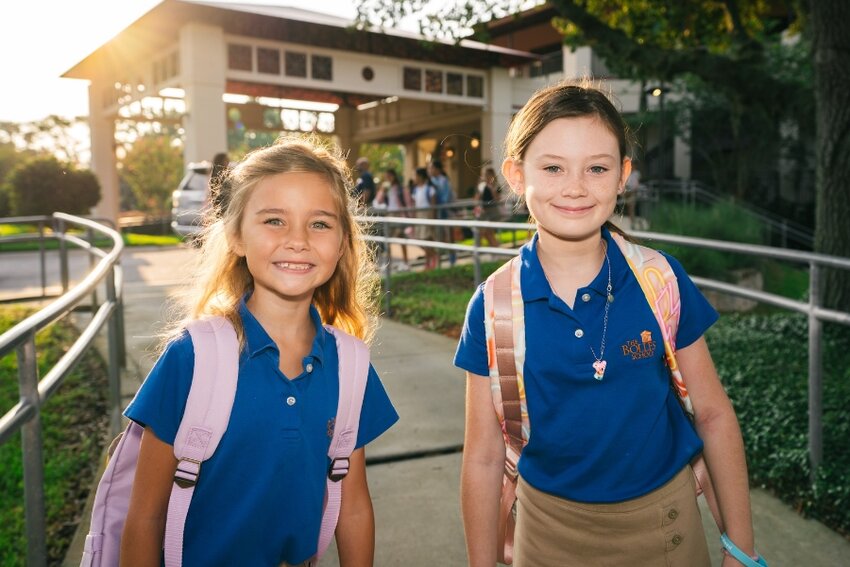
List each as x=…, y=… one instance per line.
x=556, y=157
x=278, y=211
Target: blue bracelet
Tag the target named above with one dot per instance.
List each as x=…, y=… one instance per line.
x=736, y=552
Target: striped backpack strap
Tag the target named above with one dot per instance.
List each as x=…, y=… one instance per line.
x=504, y=323
x=659, y=285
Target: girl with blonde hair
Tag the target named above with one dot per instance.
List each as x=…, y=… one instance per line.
x=284, y=258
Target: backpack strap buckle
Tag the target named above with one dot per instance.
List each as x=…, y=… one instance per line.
x=187, y=473
x=339, y=468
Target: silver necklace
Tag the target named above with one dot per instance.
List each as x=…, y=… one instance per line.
x=599, y=362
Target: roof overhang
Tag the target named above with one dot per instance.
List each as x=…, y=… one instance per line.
x=160, y=27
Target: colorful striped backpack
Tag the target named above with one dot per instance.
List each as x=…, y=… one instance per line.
x=204, y=422
x=504, y=322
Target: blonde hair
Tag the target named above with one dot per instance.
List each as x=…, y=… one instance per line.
x=348, y=300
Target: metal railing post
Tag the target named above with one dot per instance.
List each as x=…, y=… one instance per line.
x=815, y=372
x=476, y=255
x=92, y=263
x=387, y=270
x=33, y=462
x=42, y=258
x=63, y=255
x=113, y=338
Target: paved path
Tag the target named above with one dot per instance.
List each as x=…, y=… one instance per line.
x=415, y=486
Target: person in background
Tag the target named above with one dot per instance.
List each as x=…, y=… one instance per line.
x=445, y=197
x=424, y=199
x=219, y=185
x=487, y=205
x=364, y=189
x=394, y=198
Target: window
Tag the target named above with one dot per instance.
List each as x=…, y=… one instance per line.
x=239, y=57
x=433, y=81
x=296, y=64
x=454, y=84
x=412, y=79
x=321, y=68
x=268, y=61
x=475, y=86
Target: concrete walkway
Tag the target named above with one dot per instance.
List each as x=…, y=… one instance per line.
x=414, y=475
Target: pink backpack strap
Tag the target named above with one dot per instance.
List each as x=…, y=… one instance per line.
x=504, y=323
x=659, y=285
x=353, y=374
x=204, y=420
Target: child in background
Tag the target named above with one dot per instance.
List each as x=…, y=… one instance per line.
x=605, y=477
x=487, y=205
x=424, y=199
x=284, y=258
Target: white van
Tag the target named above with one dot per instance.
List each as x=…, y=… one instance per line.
x=191, y=199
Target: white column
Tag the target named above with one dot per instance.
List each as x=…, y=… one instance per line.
x=682, y=150
x=578, y=63
x=203, y=62
x=496, y=117
x=103, y=162
x=345, y=130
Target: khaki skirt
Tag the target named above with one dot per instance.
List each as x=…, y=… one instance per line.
x=662, y=528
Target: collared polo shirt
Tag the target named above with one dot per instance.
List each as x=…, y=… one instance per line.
x=259, y=498
x=592, y=440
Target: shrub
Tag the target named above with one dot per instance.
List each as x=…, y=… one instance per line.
x=763, y=365
x=45, y=185
x=720, y=221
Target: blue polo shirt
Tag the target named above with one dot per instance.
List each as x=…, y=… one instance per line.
x=596, y=441
x=259, y=498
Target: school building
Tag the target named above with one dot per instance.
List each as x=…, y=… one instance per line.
x=213, y=66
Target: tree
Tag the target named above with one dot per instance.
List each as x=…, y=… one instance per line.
x=66, y=138
x=152, y=168
x=724, y=45
x=830, y=31
x=730, y=47
x=45, y=185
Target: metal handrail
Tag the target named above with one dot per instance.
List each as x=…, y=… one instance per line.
x=25, y=415
x=813, y=309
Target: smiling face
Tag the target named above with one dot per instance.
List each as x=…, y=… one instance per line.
x=290, y=235
x=570, y=176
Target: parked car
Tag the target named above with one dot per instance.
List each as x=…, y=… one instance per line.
x=191, y=199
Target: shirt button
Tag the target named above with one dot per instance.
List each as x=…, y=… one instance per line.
x=579, y=333
x=585, y=297
x=309, y=367
x=677, y=539
x=290, y=401
x=673, y=514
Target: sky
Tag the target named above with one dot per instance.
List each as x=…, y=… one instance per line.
x=41, y=39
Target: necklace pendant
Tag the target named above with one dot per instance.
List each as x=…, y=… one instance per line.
x=599, y=367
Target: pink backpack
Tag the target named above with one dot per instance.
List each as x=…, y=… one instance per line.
x=204, y=423
x=504, y=323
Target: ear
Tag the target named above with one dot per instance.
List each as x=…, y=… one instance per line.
x=513, y=174
x=627, y=170
x=236, y=245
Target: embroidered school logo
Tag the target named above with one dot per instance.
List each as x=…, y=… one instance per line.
x=641, y=348
x=331, y=424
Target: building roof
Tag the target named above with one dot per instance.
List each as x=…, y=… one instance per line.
x=160, y=27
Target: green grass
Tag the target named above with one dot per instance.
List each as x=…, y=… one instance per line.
x=435, y=300
x=74, y=421
x=130, y=239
